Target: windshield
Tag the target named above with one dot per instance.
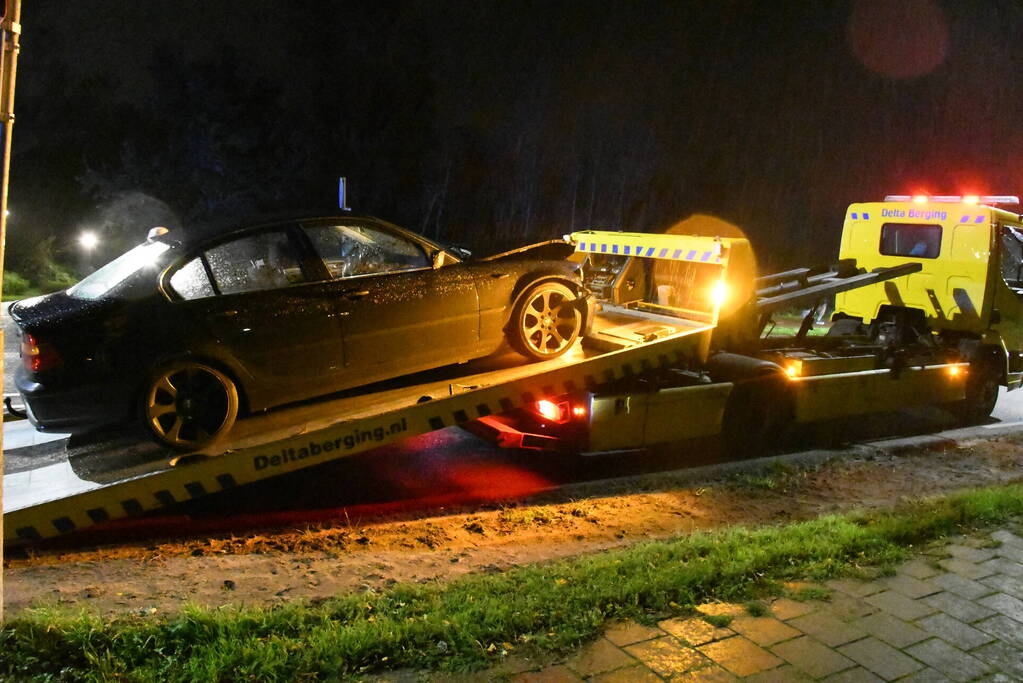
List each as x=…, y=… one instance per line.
x=117, y=271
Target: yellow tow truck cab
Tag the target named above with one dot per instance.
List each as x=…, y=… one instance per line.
x=970, y=284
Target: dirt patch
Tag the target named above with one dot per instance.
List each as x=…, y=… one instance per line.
x=275, y=566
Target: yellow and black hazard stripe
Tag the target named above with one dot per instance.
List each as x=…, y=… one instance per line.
x=347, y=437
x=691, y=248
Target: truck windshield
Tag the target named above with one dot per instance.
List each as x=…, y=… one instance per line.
x=108, y=277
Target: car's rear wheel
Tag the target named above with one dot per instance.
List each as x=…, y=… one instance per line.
x=188, y=405
x=546, y=321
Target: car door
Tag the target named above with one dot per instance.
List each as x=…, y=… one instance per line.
x=398, y=313
x=259, y=298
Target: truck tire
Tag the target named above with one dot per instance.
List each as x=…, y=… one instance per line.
x=758, y=415
x=981, y=389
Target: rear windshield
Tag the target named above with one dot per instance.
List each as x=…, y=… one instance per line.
x=108, y=277
x=910, y=239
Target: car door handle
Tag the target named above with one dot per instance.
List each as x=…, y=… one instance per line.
x=225, y=314
x=354, y=294
x=498, y=276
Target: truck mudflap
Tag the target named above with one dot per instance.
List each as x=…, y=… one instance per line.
x=92, y=503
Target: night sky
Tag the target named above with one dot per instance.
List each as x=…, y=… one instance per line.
x=495, y=123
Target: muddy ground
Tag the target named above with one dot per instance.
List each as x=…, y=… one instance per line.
x=278, y=565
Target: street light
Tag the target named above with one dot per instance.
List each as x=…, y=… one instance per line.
x=88, y=240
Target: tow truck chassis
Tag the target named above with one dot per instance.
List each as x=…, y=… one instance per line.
x=642, y=382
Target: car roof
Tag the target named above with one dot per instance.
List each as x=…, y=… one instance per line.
x=201, y=233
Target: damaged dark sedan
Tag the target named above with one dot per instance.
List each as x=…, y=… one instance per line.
x=185, y=331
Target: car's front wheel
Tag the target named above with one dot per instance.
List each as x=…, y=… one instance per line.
x=545, y=322
x=188, y=405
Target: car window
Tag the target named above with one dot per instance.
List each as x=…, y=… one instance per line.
x=264, y=260
x=107, y=278
x=191, y=281
x=911, y=239
x=351, y=250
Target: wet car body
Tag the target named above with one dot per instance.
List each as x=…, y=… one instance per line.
x=287, y=309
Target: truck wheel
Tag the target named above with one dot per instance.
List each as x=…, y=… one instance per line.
x=188, y=405
x=981, y=391
x=758, y=415
x=545, y=322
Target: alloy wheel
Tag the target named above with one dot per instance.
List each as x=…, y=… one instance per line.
x=550, y=321
x=189, y=405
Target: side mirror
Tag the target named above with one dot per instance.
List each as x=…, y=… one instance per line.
x=438, y=259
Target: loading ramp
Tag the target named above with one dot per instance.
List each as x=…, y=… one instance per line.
x=54, y=500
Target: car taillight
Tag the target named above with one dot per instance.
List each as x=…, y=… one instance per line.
x=38, y=356
x=559, y=411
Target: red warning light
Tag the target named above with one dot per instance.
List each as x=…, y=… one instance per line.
x=559, y=412
x=549, y=409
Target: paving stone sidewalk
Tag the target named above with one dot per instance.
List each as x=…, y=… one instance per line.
x=955, y=614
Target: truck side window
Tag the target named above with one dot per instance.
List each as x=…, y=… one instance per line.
x=911, y=239
x=1012, y=257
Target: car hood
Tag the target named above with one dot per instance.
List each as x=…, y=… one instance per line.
x=551, y=250
x=41, y=311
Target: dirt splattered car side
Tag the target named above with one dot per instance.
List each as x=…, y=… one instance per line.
x=186, y=331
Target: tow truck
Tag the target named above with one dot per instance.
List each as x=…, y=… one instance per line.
x=928, y=311
x=928, y=295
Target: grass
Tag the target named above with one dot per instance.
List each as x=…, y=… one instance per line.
x=778, y=476
x=810, y=593
x=755, y=608
x=24, y=295
x=545, y=608
x=758, y=482
x=719, y=620
x=792, y=330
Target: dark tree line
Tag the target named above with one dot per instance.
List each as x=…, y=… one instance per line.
x=492, y=123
